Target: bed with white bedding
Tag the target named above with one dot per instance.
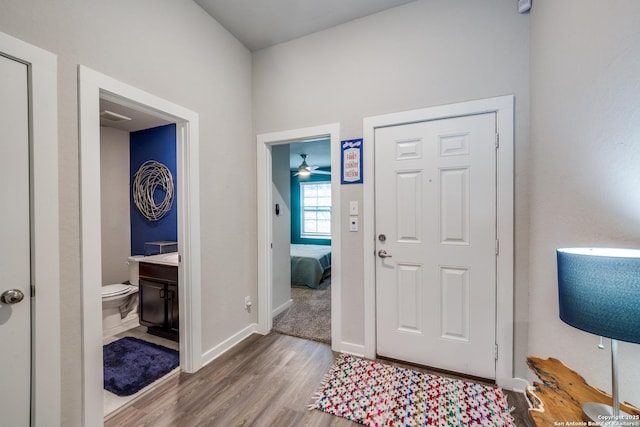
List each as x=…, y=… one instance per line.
x=310, y=264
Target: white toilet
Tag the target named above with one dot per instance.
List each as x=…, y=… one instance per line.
x=120, y=299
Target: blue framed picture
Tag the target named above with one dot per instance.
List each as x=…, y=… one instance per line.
x=351, y=165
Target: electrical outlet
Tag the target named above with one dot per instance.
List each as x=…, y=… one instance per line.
x=247, y=303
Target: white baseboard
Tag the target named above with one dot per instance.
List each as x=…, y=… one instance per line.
x=349, y=348
x=217, y=351
x=129, y=322
x=282, y=308
x=519, y=384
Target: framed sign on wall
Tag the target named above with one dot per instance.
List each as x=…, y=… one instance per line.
x=351, y=170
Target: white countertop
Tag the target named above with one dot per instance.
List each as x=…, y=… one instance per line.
x=170, y=258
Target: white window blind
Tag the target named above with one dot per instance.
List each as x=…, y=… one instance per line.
x=315, y=206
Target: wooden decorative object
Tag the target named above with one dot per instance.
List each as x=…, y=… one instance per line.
x=558, y=400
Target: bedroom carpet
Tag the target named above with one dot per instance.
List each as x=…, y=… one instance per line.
x=309, y=316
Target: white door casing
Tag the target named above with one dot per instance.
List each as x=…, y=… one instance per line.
x=42, y=194
x=15, y=270
x=92, y=87
x=435, y=196
x=503, y=107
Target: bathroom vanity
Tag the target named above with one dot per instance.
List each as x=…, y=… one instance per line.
x=158, y=287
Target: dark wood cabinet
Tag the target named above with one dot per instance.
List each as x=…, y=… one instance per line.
x=158, y=309
x=173, y=314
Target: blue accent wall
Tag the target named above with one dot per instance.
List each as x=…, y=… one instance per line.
x=295, y=210
x=157, y=144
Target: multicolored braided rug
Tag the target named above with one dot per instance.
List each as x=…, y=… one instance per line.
x=377, y=394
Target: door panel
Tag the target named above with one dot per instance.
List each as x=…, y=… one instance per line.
x=435, y=201
x=409, y=206
x=152, y=303
x=454, y=288
x=454, y=207
x=15, y=252
x=410, y=307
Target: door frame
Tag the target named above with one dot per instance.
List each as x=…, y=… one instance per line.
x=42, y=67
x=503, y=107
x=265, y=220
x=92, y=86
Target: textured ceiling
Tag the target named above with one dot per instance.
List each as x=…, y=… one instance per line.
x=262, y=23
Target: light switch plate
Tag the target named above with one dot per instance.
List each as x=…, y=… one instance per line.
x=353, y=207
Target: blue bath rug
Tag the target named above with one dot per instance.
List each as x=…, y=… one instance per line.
x=130, y=364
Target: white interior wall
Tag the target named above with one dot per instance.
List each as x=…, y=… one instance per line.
x=422, y=54
x=173, y=50
x=115, y=206
x=585, y=124
x=583, y=158
x=281, y=256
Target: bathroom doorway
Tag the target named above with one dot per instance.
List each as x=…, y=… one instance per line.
x=94, y=88
x=137, y=158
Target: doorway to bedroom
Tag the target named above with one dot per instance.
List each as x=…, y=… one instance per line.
x=301, y=175
x=290, y=170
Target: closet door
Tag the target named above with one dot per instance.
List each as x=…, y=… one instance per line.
x=15, y=250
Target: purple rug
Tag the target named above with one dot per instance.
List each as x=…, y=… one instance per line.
x=130, y=364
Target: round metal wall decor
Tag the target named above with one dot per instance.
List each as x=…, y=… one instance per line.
x=151, y=177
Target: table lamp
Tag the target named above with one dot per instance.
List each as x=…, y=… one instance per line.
x=599, y=292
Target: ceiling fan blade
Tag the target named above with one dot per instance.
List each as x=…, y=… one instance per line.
x=319, y=172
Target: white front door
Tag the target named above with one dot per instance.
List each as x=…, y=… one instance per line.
x=435, y=217
x=15, y=250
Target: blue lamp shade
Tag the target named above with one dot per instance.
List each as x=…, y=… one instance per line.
x=599, y=291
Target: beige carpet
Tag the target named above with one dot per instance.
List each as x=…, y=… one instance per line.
x=310, y=315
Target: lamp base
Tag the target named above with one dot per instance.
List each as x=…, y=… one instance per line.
x=603, y=415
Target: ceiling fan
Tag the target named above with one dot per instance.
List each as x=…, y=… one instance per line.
x=305, y=170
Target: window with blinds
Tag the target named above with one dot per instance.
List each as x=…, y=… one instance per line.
x=315, y=206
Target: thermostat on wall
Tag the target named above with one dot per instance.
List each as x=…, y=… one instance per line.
x=524, y=6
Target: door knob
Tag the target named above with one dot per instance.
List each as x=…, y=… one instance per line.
x=12, y=296
x=383, y=254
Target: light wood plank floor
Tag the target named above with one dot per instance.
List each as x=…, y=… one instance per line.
x=264, y=381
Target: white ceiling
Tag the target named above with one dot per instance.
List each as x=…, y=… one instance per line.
x=318, y=153
x=139, y=119
x=263, y=23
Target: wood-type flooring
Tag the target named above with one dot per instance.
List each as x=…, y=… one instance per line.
x=263, y=381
